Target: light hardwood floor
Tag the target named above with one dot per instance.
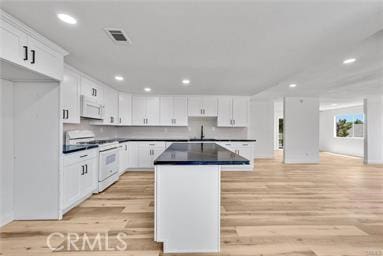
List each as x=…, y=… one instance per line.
x=333, y=208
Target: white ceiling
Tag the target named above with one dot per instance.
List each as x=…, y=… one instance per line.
x=223, y=47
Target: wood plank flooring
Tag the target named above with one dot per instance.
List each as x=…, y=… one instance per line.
x=331, y=209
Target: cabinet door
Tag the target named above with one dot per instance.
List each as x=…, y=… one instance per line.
x=225, y=112
x=195, y=106
x=166, y=111
x=12, y=44
x=90, y=89
x=210, y=106
x=71, y=184
x=45, y=60
x=124, y=157
x=240, y=111
x=70, y=97
x=133, y=154
x=125, y=108
x=110, y=105
x=138, y=110
x=87, y=180
x=180, y=109
x=246, y=152
x=145, y=157
x=153, y=110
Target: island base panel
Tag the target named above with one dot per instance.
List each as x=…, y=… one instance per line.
x=187, y=208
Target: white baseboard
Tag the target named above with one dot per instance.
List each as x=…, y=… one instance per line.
x=373, y=162
x=7, y=218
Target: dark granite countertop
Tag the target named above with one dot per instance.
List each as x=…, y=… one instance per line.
x=199, y=154
x=74, y=148
x=122, y=140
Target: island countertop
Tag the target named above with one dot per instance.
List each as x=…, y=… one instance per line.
x=199, y=154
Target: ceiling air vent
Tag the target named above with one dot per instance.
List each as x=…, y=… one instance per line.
x=118, y=36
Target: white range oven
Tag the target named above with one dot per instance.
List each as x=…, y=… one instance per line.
x=108, y=156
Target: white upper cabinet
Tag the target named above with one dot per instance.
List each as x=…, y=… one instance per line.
x=23, y=46
x=240, y=111
x=145, y=110
x=70, y=97
x=110, y=97
x=91, y=89
x=12, y=42
x=202, y=106
x=124, y=108
x=173, y=111
x=233, y=112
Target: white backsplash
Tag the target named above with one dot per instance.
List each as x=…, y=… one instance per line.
x=193, y=130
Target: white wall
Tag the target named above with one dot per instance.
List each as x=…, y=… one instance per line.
x=37, y=150
x=193, y=130
x=301, y=130
x=6, y=152
x=261, y=127
x=373, y=143
x=330, y=143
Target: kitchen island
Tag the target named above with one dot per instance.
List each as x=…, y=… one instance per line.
x=188, y=195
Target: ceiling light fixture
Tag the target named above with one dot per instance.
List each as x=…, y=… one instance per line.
x=292, y=85
x=119, y=78
x=349, y=61
x=147, y=89
x=67, y=18
x=185, y=81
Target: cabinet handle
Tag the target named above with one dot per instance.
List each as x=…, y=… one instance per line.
x=33, y=56
x=120, y=120
x=67, y=114
x=92, y=91
x=25, y=52
x=201, y=111
x=95, y=92
x=83, y=156
x=86, y=168
x=126, y=147
x=82, y=169
x=233, y=121
x=175, y=121
x=64, y=113
x=111, y=119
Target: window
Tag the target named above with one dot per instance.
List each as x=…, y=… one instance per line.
x=349, y=125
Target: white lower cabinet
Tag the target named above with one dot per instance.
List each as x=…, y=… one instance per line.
x=79, y=178
x=148, y=152
x=244, y=149
x=124, y=157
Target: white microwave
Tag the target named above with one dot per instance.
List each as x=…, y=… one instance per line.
x=90, y=108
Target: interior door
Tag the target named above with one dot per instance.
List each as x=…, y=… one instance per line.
x=70, y=96
x=166, y=111
x=138, y=110
x=240, y=111
x=153, y=110
x=195, y=106
x=225, y=112
x=180, y=111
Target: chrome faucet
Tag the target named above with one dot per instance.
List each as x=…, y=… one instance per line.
x=202, y=135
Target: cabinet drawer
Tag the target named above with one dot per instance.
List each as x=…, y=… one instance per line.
x=152, y=144
x=79, y=156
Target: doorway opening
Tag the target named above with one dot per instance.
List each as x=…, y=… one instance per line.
x=280, y=133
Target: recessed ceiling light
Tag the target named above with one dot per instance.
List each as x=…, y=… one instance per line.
x=147, y=89
x=119, y=78
x=67, y=18
x=349, y=61
x=292, y=85
x=185, y=81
